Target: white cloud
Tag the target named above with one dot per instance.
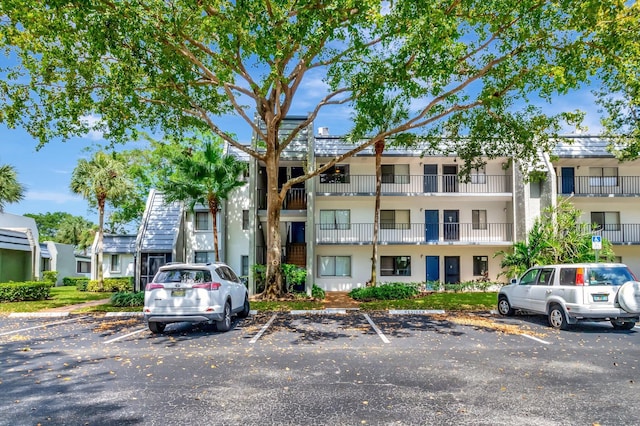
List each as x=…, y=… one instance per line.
x=93, y=121
x=50, y=196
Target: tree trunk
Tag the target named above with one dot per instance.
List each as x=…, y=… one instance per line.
x=273, y=280
x=100, y=245
x=379, y=148
x=213, y=209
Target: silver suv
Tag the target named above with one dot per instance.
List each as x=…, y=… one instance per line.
x=572, y=292
x=194, y=293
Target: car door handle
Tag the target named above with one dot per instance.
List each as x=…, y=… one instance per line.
x=549, y=291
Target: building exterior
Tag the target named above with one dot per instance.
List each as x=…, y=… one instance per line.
x=435, y=227
x=60, y=258
x=19, y=249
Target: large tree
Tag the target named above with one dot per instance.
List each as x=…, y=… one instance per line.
x=100, y=180
x=11, y=190
x=204, y=175
x=465, y=68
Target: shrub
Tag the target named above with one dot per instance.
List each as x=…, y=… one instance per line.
x=25, y=291
x=50, y=276
x=294, y=276
x=112, y=284
x=386, y=291
x=79, y=282
x=127, y=299
x=317, y=292
x=260, y=276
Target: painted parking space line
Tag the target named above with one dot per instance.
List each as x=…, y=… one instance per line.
x=263, y=329
x=328, y=311
x=544, y=342
x=376, y=329
x=40, y=326
x=125, y=336
x=415, y=311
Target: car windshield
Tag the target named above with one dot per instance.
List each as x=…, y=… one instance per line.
x=611, y=275
x=182, y=276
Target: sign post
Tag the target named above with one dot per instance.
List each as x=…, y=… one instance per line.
x=596, y=244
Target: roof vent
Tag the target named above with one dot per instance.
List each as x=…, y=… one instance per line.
x=323, y=131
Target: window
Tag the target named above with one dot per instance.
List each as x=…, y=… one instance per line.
x=530, y=277
x=202, y=221
x=204, y=257
x=115, y=263
x=480, y=265
x=479, y=175
x=83, y=267
x=336, y=174
x=395, y=173
x=603, y=176
x=546, y=276
x=244, y=266
x=535, y=189
x=245, y=219
x=395, y=265
x=479, y=219
x=334, y=266
x=335, y=219
x=606, y=221
x=394, y=219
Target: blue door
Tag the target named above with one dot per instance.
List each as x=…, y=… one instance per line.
x=568, y=180
x=297, y=232
x=433, y=269
x=431, y=225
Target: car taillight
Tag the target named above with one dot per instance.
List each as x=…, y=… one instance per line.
x=580, y=276
x=208, y=286
x=153, y=286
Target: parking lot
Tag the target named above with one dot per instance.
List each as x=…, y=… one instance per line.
x=331, y=367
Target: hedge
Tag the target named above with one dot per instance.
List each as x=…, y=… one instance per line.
x=112, y=284
x=79, y=282
x=25, y=291
x=50, y=276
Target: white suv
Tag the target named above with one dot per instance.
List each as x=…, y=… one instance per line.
x=194, y=293
x=572, y=292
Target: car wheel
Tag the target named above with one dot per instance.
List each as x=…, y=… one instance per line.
x=157, y=327
x=225, y=323
x=504, y=307
x=623, y=325
x=246, y=308
x=557, y=318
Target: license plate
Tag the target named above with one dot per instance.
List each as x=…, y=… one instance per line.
x=600, y=297
x=178, y=293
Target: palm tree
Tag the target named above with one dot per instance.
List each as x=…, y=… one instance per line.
x=204, y=177
x=99, y=180
x=11, y=191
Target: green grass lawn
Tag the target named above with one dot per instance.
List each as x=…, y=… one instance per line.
x=472, y=301
x=60, y=296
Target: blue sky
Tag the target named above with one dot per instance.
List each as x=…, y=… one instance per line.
x=46, y=173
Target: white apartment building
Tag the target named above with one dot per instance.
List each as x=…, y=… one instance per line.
x=434, y=226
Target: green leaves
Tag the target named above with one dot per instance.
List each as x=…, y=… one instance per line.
x=11, y=191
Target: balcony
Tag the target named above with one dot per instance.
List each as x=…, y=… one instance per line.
x=296, y=199
x=620, y=234
x=597, y=186
x=419, y=184
x=416, y=233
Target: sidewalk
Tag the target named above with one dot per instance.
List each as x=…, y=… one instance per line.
x=70, y=308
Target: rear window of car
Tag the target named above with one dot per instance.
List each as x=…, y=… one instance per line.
x=186, y=276
x=612, y=275
x=599, y=275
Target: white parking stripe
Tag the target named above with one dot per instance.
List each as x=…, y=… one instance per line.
x=377, y=330
x=544, y=342
x=40, y=326
x=263, y=329
x=125, y=336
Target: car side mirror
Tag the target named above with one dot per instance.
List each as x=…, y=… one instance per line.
x=514, y=281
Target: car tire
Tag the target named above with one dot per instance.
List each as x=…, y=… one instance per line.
x=225, y=323
x=246, y=308
x=157, y=327
x=557, y=318
x=629, y=297
x=623, y=325
x=504, y=307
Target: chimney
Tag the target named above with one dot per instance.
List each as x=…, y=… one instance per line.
x=323, y=131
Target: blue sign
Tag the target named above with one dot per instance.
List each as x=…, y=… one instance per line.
x=596, y=242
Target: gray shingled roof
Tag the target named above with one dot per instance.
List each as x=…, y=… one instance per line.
x=161, y=224
x=582, y=146
x=14, y=240
x=124, y=244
